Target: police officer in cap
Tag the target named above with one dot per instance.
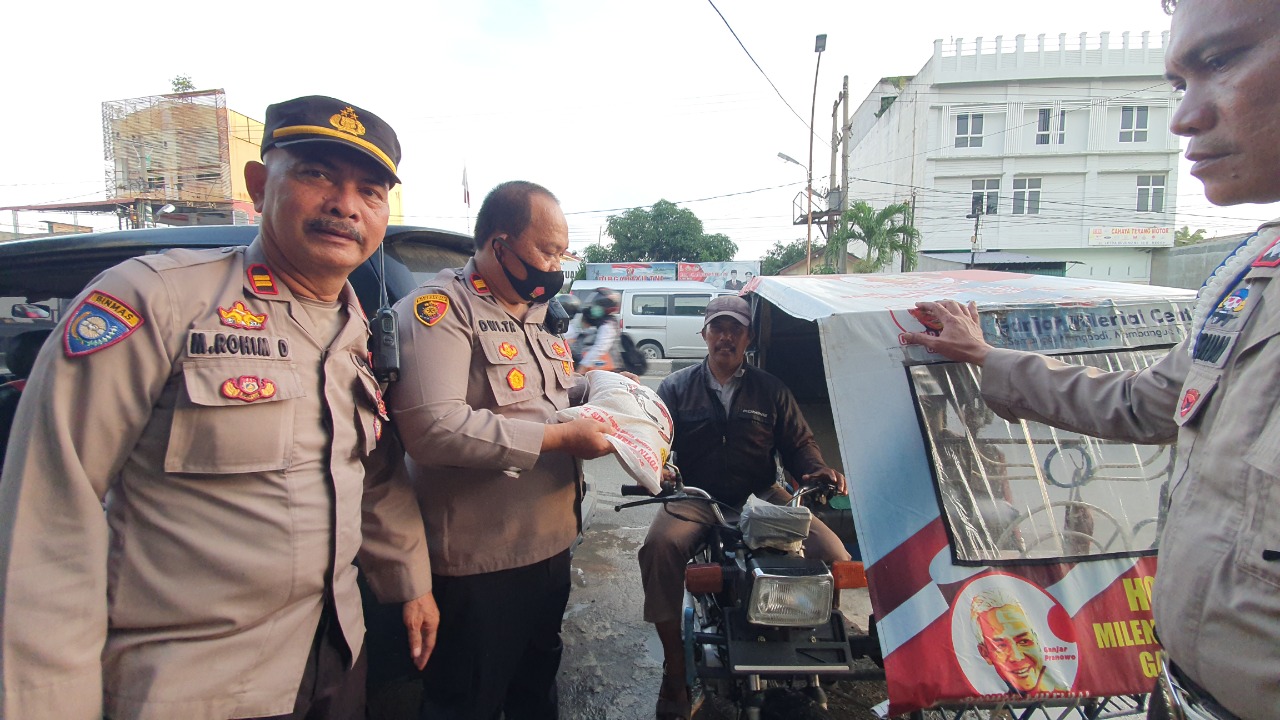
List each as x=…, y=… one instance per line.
x=218, y=405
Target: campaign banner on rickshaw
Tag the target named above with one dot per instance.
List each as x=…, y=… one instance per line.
x=1006, y=562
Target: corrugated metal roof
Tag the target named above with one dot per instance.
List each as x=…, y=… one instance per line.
x=991, y=257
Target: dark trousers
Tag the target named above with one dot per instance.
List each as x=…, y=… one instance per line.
x=330, y=690
x=499, y=647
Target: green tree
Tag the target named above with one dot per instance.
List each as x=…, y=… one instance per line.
x=664, y=232
x=182, y=83
x=885, y=232
x=1184, y=236
x=780, y=256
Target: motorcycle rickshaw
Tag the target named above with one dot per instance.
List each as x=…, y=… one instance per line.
x=1010, y=565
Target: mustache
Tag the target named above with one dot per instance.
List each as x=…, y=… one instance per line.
x=337, y=227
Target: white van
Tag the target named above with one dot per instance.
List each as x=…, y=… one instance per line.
x=663, y=317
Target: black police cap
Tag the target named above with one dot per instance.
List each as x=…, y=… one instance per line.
x=316, y=118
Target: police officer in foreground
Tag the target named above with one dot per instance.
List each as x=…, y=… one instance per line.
x=218, y=404
x=497, y=477
x=1217, y=592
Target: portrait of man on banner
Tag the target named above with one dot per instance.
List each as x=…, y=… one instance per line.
x=1005, y=639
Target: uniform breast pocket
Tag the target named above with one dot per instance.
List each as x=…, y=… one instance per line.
x=557, y=359
x=512, y=373
x=371, y=411
x=1260, y=532
x=236, y=416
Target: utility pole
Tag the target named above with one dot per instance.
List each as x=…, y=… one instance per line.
x=844, y=166
x=912, y=222
x=834, y=191
x=975, y=244
x=820, y=44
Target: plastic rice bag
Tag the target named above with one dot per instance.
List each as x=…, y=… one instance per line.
x=640, y=420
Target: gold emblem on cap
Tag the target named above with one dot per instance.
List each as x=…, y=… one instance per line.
x=347, y=121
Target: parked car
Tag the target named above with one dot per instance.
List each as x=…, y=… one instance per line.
x=40, y=276
x=663, y=317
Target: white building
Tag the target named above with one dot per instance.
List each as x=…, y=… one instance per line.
x=1063, y=143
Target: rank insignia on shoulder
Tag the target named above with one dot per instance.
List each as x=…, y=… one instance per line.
x=240, y=317
x=377, y=429
x=1269, y=257
x=261, y=279
x=507, y=350
x=248, y=388
x=559, y=349
x=515, y=379
x=430, y=309
x=479, y=285
x=568, y=367
x=99, y=322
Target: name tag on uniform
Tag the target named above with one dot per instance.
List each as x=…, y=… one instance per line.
x=212, y=343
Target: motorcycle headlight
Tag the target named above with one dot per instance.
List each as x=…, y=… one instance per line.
x=790, y=600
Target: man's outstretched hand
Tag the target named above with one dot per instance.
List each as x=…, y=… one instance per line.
x=960, y=337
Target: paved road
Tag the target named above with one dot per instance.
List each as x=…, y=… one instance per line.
x=613, y=663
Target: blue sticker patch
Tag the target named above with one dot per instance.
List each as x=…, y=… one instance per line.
x=99, y=322
x=1230, y=307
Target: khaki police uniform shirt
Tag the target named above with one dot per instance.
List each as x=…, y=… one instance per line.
x=476, y=388
x=1217, y=590
x=228, y=448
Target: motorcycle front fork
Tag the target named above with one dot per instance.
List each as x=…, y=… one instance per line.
x=755, y=701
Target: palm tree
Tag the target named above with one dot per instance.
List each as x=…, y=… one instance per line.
x=1184, y=236
x=885, y=232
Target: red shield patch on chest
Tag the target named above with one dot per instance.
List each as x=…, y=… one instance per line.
x=248, y=388
x=515, y=379
x=1188, y=402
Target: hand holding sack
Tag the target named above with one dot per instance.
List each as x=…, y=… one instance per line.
x=640, y=420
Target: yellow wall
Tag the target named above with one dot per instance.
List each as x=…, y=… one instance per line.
x=244, y=138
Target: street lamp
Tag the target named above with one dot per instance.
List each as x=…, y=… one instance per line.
x=820, y=44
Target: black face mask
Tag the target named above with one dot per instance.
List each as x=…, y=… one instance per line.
x=538, y=286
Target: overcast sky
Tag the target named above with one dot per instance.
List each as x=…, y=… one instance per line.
x=609, y=104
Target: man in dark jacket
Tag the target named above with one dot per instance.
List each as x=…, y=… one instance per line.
x=730, y=419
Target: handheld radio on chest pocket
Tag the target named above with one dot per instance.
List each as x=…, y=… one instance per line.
x=386, y=336
x=557, y=319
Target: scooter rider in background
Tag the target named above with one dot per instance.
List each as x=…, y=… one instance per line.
x=595, y=346
x=730, y=419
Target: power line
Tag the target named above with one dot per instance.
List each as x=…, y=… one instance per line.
x=681, y=202
x=766, y=75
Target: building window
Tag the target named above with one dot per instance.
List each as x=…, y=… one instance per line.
x=986, y=197
x=969, y=130
x=1133, y=124
x=1045, y=129
x=1026, y=196
x=1151, y=193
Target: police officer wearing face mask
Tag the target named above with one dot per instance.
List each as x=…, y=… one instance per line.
x=497, y=478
